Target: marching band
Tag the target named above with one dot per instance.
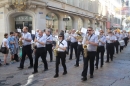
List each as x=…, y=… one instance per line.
x=90, y=45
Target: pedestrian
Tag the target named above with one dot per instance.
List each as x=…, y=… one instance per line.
x=92, y=43
x=26, y=49
x=61, y=54
x=5, y=44
x=12, y=48
x=40, y=51
x=16, y=38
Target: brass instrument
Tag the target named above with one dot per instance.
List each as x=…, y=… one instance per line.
x=20, y=42
x=79, y=36
x=56, y=50
x=85, y=51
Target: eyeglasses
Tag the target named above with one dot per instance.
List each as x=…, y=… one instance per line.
x=89, y=30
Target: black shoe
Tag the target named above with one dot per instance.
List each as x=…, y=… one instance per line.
x=64, y=73
x=20, y=68
x=56, y=76
x=101, y=65
x=45, y=69
x=34, y=72
x=50, y=60
x=96, y=67
x=84, y=79
x=107, y=61
x=91, y=76
x=70, y=59
x=7, y=64
x=30, y=67
x=76, y=65
x=0, y=64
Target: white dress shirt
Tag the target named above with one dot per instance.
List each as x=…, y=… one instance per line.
x=49, y=38
x=92, y=38
x=72, y=38
x=103, y=39
x=26, y=36
x=110, y=38
x=62, y=45
x=41, y=39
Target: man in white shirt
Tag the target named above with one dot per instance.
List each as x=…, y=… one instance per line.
x=49, y=46
x=110, y=46
x=73, y=44
x=26, y=49
x=40, y=51
x=92, y=43
x=100, y=48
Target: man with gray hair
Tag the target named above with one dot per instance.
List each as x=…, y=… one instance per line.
x=49, y=40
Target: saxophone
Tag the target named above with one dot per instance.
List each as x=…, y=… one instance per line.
x=85, y=51
x=55, y=50
x=20, y=43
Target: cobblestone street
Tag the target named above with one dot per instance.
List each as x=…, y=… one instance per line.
x=116, y=73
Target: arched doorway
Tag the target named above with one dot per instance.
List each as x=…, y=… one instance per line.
x=80, y=23
x=52, y=21
x=23, y=20
x=18, y=19
x=68, y=24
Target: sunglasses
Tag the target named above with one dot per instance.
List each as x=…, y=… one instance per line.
x=60, y=36
x=89, y=30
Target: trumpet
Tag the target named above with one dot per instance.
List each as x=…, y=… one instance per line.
x=85, y=51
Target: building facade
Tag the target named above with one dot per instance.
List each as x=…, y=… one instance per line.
x=55, y=14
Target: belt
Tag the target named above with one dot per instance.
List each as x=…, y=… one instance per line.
x=40, y=47
x=60, y=51
x=26, y=45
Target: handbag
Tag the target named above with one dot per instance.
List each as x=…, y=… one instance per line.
x=2, y=49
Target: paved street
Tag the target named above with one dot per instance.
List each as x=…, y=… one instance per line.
x=116, y=73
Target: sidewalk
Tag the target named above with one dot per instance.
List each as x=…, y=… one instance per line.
x=116, y=73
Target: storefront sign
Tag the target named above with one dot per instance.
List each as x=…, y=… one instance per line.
x=66, y=19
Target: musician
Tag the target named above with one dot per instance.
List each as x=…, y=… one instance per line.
x=92, y=43
x=110, y=46
x=67, y=34
x=26, y=50
x=62, y=46
x=40, y=51
x=125, y=38
x=100, y=49
x=73, y=44
x=116, y=43
x=121, y=39
x=49, y=40
x=79, y=48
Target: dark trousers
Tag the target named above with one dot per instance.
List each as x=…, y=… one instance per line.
x=100, y=49
x=16, y=57
x=121, y=48
x=116, y=45
x=126, y=40
x=40, y=52
x=68, y=48
x=91, y=57
x=62, y=56
x=49, y=49
x=73, y=46
x=110, y=51
x=26, y=50
x=79, y=50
